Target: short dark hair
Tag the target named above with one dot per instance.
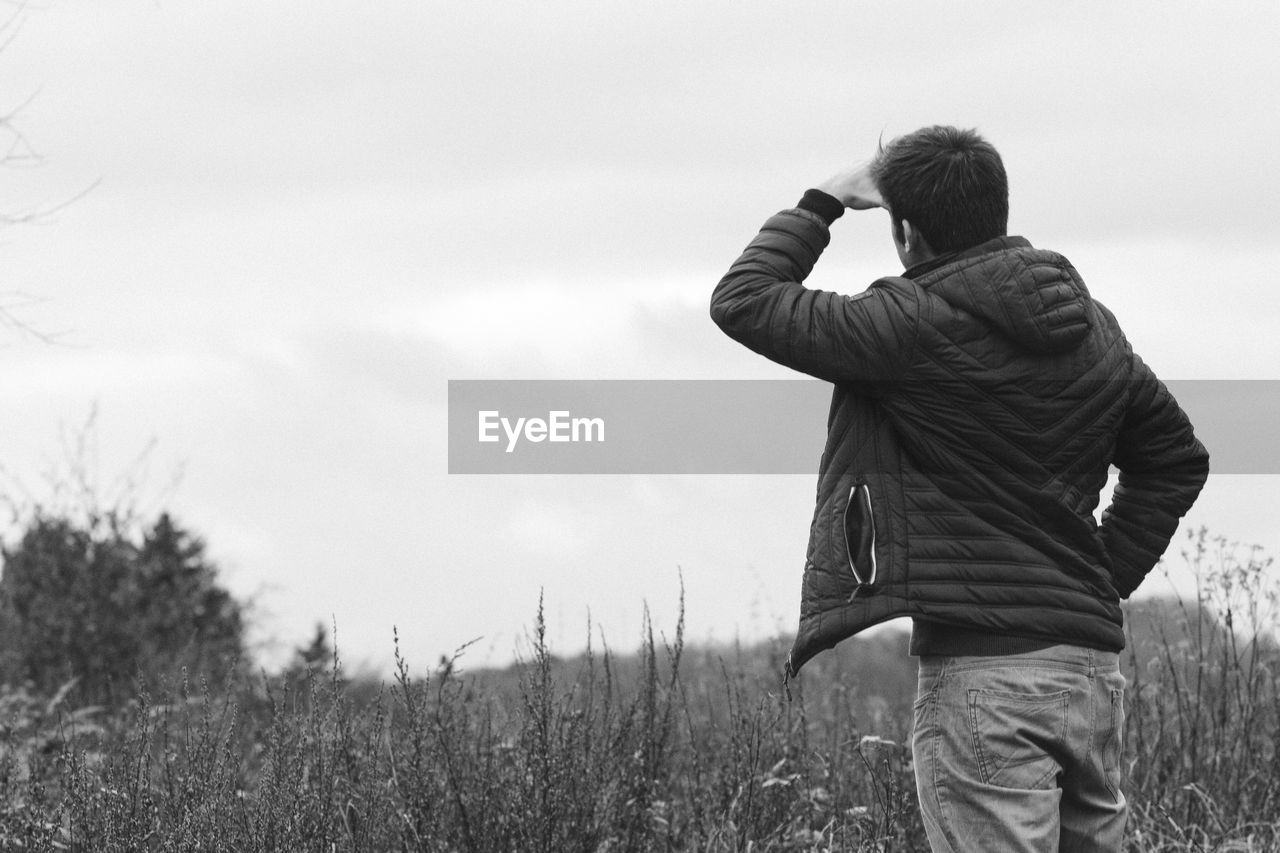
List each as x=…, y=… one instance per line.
x=949, y=183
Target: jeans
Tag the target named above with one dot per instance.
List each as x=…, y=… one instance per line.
x=1021, y=752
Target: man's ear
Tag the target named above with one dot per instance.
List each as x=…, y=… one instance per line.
x=914, y=241
x=910, y=236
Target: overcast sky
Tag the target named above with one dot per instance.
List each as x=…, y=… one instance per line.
x=306, y=217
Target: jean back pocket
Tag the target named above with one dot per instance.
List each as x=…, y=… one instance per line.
x=1016, y=736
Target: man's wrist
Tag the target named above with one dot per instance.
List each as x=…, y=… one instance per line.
x=823, y=204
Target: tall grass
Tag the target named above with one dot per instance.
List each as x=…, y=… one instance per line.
x=668, y=749
x=598, y=754
x=1204, y=707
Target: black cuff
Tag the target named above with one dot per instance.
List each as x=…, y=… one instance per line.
x=824, y=205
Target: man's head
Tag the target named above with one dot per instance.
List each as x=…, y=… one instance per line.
x=948, y=184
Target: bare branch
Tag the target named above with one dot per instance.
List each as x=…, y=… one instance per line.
x=11, y=303
x=16, y=150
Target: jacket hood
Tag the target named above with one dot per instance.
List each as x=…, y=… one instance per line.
x=1033, y=296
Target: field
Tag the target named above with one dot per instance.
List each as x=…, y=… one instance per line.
x=670, y=748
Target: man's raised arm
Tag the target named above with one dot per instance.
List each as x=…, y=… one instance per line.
x=763, y=304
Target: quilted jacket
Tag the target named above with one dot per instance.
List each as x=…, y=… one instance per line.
x=977, y=407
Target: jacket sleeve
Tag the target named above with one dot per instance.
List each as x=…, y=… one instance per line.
x=762, y=304
x=1162, y=469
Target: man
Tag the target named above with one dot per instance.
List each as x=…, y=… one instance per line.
x=979, y=400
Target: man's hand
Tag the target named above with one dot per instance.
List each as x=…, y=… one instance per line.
x=854, y=188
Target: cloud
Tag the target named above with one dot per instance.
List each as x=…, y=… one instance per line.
x=563, y=531
x=309, y=220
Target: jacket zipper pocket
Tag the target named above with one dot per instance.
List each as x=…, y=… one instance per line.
x=860, y=536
